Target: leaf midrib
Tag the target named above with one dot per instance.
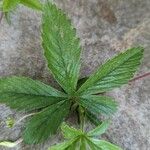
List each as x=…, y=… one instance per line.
x=42, y=95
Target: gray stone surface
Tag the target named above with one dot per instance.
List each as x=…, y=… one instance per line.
x=105, y=27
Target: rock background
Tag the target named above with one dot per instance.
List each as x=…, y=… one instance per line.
x=105, y=27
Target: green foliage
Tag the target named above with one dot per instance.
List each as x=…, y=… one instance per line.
x=9, y=5
x=99, y=129
x=80, y=140
x=34, y=4
x=113, y=73
x=62, y=52
x=69, y=132
x=46, y=122
x=61, y=47
x=98, y=104
x=93, y=118
x=26, y=94
x=10, y=122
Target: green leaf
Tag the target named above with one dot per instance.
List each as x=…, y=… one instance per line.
x=104, y=145
x=10, y=122
x=70, y=132
x=65, y=145
x=113, y=73
x=91, y=145
x=45, y=123
x=26, y=85
x=34, y=4
x=61, y=47
x=93, y=118
x=83, y=144
x=24, y=102
x=99, y=104
x=26, y=94
x=99, y=129
x=9, y=5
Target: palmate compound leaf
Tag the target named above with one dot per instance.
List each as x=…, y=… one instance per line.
x=61, y=47
x=98, y=104
x=24, y=93
x=46, y=123
x=83, y=141
x=113, y=73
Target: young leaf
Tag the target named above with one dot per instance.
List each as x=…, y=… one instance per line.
x=65, y=145
x=114, y=72
x=61, y=47
x=34, y=4
x=104, y=145
x=99, y=129
x=84, y=141
x=99, y=104
x=70, y=132
x=8, y=5
x=45, y=123
x=26, y=94
x=10, y=122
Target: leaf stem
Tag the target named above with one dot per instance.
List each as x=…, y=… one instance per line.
x=81, y=117
x=140, y=77
x=20, y=140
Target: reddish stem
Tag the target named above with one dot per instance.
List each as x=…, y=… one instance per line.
x=140, y=77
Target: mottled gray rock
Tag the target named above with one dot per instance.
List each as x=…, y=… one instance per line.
x=105, y=27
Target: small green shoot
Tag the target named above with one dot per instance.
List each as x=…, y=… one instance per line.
x=10, y=122
x=7, y=6
x=79, y=140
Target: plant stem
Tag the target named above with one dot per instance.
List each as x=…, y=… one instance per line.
x=81, y=117
x=140, y=77
x=20, y=140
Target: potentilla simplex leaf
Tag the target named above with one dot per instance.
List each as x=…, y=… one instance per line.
x=62, y=51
